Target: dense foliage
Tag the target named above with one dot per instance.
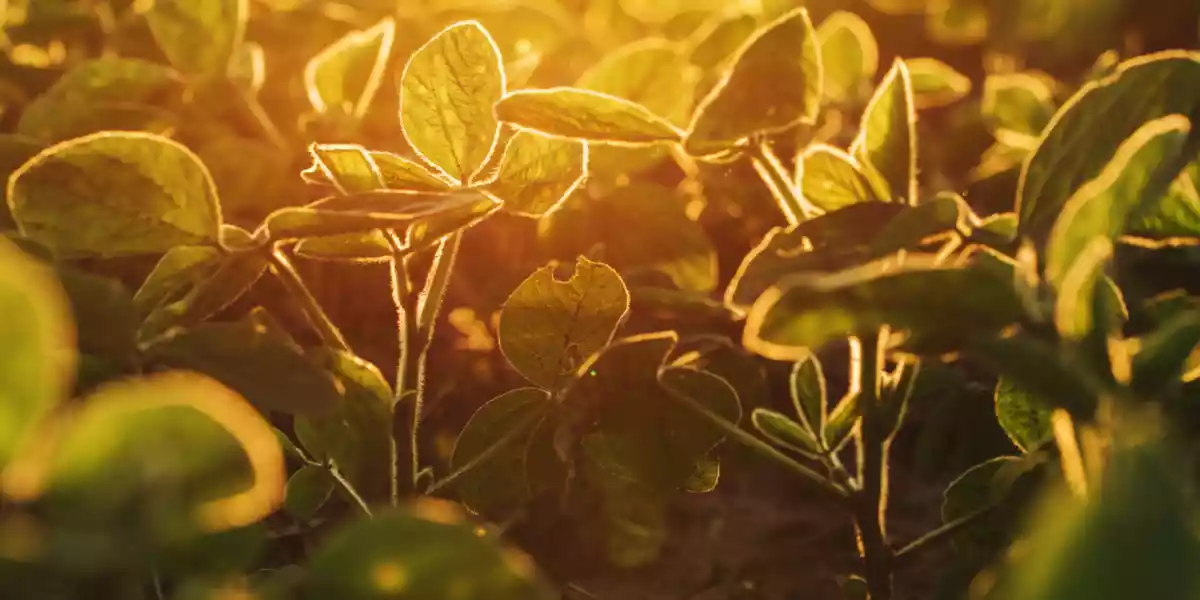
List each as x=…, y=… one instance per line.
x=668, y=239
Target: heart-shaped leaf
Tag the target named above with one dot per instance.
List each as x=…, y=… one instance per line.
x=748, y=99
x=548, y=328
x=345, y=76
x=537, y=173
x=887, y=138
x=831, y=179
x=199, y=38
x=114, y=194
x=494, y=444
x=448, y=89
x=587, y=115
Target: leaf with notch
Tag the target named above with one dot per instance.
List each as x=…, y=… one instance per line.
x=345, y=76
x=583, y=114
x=749, y=100
x=115, y=194
x=808, y=311
x=38, y=356
x=831, y=179
x=448, y=89
x=1085, y=134
x=199, y=38
x=77, y=101
x=501, y=429
x=537, y=173
x=272, y=373
x=849, y=55
x=887, y=138
x=548, y=328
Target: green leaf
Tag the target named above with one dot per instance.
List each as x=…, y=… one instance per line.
x=809, y=396
x=252, y=176
x=1091, y=220
x=199, y=38
x=113, y=194
x=37, y=353
x=1017, y=103
x=537, y=173
x=349, y=168
x=428, y=550
x=400, y=173
x=345, y=76
x=748, y=100
x=448, y=89
x=272, y=373
x=1044, y=370
x=831, y=179
x=784, y=432
x=713, y=46
x=1165, y=354
x=587, y=115
x=368, y=247
x=80, y=101
x=194, y=458
x=15, y=150
x=548, y=327
x=501, y=429
x=1085, y=134
x=652, y=72
x=850, y=56
x=178, y=269
x=936, y=83
x=808, y=311
x=308, y=489
x=634, y=518
x=1176, y=215
x=1024, y=417
x=104, y=315
x=981, y=486
x=233, y=276
x=887, y=138
x=368, y=211
x=842, y=421
x=717, y=354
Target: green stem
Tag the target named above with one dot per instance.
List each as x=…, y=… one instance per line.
x=870, y=501
x=827, y=487
x=942, y=533
x=329, y=333
x=348, y=489
x=508, y=439
x=417, y=318
x=770, y=169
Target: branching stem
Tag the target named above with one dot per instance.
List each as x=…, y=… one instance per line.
x=329, y=333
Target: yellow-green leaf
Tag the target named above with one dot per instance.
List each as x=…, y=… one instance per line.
x=538, y=172
x=584, y=114
x=448, y=90
x=849, y=54
x=887, y=138
x=652, y=72
x=831, y=179
x=1017, y=103
x=549, y=327
x=199, y=38
x=494, y=442
x=749, y=99
x=345, y=76
x=936, y=83
x=115, y=194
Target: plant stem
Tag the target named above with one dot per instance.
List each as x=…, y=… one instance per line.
x=829, y=488
x=870, y=501
x=348, y=489
x=417, y=318
x=942, y=533
x=506, y=440
x=778, y=181
x=329, y=333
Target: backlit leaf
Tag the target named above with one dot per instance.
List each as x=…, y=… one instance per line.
x=1176, y=215
x=428, y=550
x=1165, y=355
x=652, y=72
x=1021, y=103
x=1024, y=417
x=1086, y=132
x=345, y=76
x=179, y=268
x=502, y=428
x=538, y=172
x=370, y=246
x=307, y=491
x=232, y=276
x=809, y=396
x=850, y=56
x=448, y=89
x=37, y=356
x=887, y=139
x=749, y=100
x=936, y=83
x=584, y=114
x=784, y=432
x=364, y=212
x=831, y=179
x=549, y=327
x=199, y=38
x=714, y=45
x=113, y=194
